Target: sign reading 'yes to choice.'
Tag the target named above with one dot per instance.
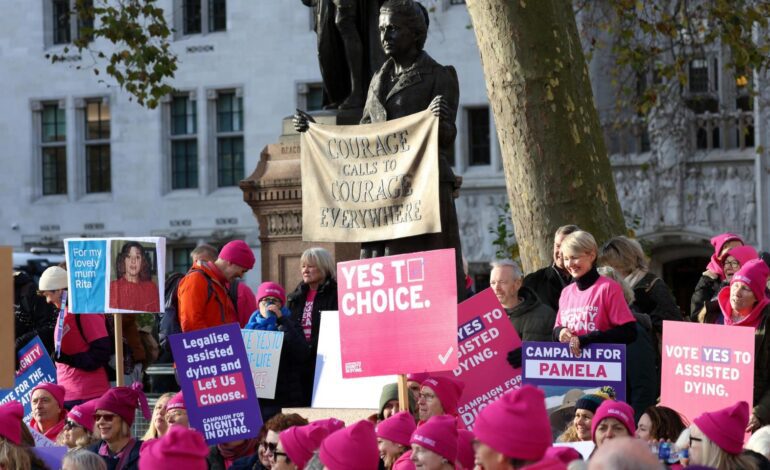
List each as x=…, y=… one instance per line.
x=398, y=314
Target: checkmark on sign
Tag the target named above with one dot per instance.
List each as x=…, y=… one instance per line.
x=445, y=357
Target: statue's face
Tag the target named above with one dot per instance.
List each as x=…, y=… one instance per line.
x=396, y=37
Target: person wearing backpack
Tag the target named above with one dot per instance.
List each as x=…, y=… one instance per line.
x=203, y=296
x=85, y=345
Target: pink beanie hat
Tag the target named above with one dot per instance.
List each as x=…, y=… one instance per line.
x=564, y=453
x=743, y=253
x=516, y=424
x=300, y=442
x=726, y=427
x=123, y=401
x=176, y=402
x=614, y=409
x=718, y=242
x=57, y=391
x=179, y=448
x=438, y=434
x=754, y=274
x=11, y=414
x=271, y=289
x=331, y=424
x=465, y=452
x=83, y=414
x=447, y=390
x=351, y=448
x=417, y=377
x=398, y=428
x=238, y=252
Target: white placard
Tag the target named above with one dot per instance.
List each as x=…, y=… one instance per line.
x=264, y=351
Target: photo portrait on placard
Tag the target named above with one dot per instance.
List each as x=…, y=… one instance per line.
x=134, y=276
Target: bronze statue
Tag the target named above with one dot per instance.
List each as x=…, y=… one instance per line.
x=408, y=82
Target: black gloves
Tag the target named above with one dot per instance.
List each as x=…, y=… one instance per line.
x=514, y=358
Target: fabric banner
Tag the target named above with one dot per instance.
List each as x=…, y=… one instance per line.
x=372, y=181
x=35, y=366
x=215, y=376
x=264, y=351
x=398, y=314
x=485, y=336
x=553, y=368
x=116, y=275
x=706, y=367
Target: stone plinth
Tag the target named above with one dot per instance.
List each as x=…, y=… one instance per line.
x=274, y=193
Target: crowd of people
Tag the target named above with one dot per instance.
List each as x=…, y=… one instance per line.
x=588, y=294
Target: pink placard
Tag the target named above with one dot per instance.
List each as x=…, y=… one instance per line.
x=398, y=314
x=485, y=336
x=706, y=367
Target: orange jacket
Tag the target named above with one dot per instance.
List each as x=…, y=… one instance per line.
x=203, y=299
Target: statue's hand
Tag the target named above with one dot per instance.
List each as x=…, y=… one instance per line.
x=301, y=120
x=439, y=107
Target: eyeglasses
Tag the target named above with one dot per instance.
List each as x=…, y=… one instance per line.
x=695, y=439
x=732, y=264
x=106, y=417
x=270, y=446
x=71, y=424
x=427, y=396
x=277, y=454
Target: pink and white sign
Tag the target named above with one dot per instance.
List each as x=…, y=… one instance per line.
x=706, y=367
x=485, y=336
x=398, y=314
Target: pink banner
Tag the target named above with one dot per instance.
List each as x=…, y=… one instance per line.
x=706, y=367
x=398, y=314
x=485, y=336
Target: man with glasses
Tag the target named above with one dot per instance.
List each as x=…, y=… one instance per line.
x=204, y=301
x=176, y=411
x=438, y=396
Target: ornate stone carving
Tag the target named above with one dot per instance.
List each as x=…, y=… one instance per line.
x=284, y=223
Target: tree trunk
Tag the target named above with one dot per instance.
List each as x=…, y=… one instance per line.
x=556, y=166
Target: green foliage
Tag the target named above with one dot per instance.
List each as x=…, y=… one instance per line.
x=505, y=246
x=140, y=58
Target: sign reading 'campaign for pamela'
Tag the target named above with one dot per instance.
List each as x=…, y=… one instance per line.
x=553, y=367
x=215, y=376
x=398, y=314
x=35, y=366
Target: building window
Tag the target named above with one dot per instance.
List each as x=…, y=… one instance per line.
x=97, y=143
x=229, y=139
x=181, y=259
x=53, y=143
x=310, y=96
x=67, y=20
x=478, y=136
x=61, y=22
x=184, y=143
x=203, y=16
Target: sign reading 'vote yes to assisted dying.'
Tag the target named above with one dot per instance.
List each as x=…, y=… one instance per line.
x=398, y=314
x=213, y=370
x=706, y=367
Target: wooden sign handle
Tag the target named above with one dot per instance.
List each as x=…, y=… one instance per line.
x=403, y=393
x=119, y=380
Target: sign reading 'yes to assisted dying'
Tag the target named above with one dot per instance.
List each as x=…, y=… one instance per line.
x=214, y=372
x=398, y=314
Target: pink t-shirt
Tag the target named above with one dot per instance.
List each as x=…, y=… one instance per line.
x=81, y=384
x=598, y=308
x=307, y=314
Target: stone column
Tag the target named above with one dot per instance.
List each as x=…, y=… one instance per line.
x=274, y=193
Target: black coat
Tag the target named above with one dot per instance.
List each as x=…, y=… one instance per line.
x=547, y=283
x=33, y=316
x=325, y=300
x=653, y=297
x=532, y=319
x=132, y=462
x=295, y=351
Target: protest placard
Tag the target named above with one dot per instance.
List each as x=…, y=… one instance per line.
x=35, y=366
x=372, y=181
x=330, y=390
x=485, y=336
x=398, y=314
x=116, y=275
x=263, y=349
x=215, y=376
x=706, y=367
x=553, y=368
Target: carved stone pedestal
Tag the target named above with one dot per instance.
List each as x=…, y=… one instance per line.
x=274, y=192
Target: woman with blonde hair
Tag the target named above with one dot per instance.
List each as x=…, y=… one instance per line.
x=316, y=293
x=716, y=438
x=158, y=425
x=78, y=430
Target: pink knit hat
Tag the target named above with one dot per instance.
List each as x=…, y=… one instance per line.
x=11, y=414
x=300, y=442
x=176, y=402
x=180, y=448
x=743, y=253
x=754, y=274
x=351, y=448
x=614, y=409
x=564, y=453
x=57, y=391
x=238, y=252
x=271, y=289
x=398, y=428
x=516, y=424
x=83, y=414
x=725, y=427
x=417, y=377
x=123, y=401
x=447, y=390
x=438, y=434
x=718, y=242
x=465, y=452
x=331, y=424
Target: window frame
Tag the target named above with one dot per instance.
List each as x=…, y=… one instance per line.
x=215, y=136
x=85, y=142
x=469, y=127
x=206, y=14
x=39, y=108
x=74, y=24
x=170, y=137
